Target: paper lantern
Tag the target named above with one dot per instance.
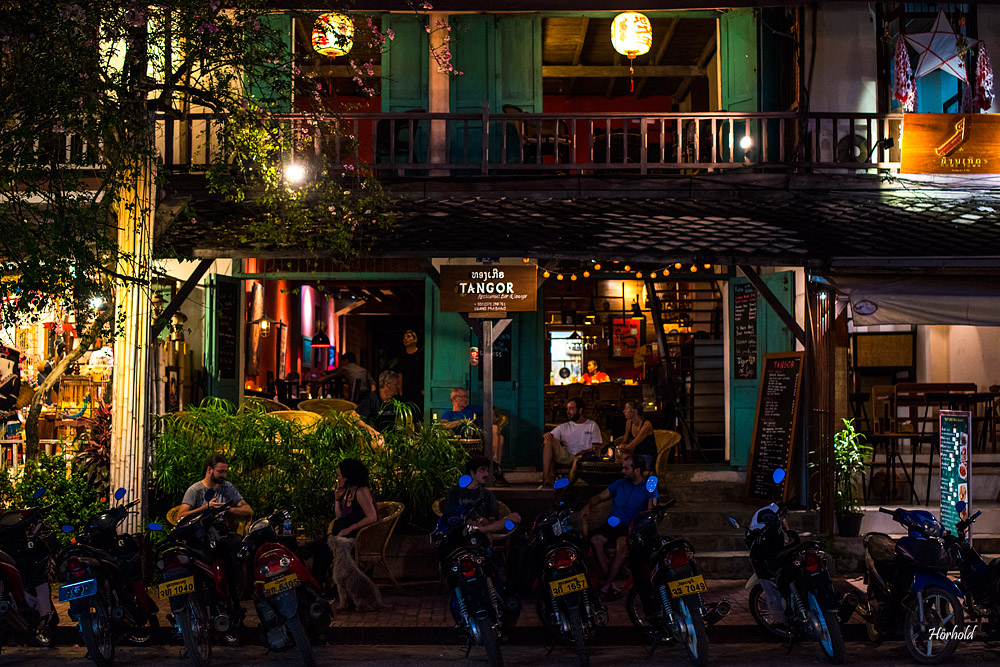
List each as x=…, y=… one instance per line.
x=333, y=34
x=631, y=35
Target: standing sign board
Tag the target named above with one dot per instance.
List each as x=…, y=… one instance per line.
x=775, y=423
x=487, y=291
x=955, y=427
x=950, y=143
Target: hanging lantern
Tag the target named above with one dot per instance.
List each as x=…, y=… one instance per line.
x=631, y=35
x=333, y=34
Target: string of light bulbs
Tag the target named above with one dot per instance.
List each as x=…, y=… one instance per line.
x=626, y=268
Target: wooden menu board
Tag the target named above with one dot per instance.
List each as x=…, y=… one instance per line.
x=775, y=423
x=745, y=331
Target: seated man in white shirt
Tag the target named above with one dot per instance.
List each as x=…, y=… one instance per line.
x=568, y=442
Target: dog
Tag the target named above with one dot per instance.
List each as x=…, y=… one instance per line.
x=353, y=586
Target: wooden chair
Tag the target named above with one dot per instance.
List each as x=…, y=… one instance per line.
x=265, y=404
x=373, y=539
x=325, y=406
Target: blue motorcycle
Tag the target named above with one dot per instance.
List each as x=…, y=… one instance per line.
x=909, y=590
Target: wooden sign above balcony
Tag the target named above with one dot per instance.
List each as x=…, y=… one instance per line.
x=478, y=288
x=950, y=143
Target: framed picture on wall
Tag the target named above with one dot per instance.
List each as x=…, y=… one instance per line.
x=173, y=394
x=627, y=334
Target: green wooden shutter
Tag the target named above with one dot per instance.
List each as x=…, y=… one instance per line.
x=404, y=63
x=280, y=96
x=738, y=47
x=519, y=63
x=772, y=336
x=446, y=355
x=223, y=349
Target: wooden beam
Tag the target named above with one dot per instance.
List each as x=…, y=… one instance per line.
x=183, y=293
x=660, y=51
x=581, y=40
x=602, y=71
x=779, y=308
x=706, y=55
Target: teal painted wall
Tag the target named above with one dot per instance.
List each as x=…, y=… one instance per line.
x=772, y=336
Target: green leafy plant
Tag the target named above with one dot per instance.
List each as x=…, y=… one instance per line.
x=93, y=446
x=850, y=455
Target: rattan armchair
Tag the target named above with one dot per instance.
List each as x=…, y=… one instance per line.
x=373, y=539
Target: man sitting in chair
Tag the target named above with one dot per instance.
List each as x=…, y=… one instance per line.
x=486, y=516
x=568, y=443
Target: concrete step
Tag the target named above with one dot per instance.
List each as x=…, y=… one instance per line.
x=691, y=492
x=713, y=517
x=724, y=564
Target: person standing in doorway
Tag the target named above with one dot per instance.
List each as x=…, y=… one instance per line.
x=411, y=367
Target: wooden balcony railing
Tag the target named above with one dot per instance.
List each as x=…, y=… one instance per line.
x=417, y=144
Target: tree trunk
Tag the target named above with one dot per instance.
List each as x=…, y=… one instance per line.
x=31, y=447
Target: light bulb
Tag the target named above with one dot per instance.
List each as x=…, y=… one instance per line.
x=546, y=274
x=678, y=265
x=628, y=268
x=597, y=267
x=694, y=268
x=559, y=276
x=586, y=274
x=638, y=274
x=572, y=276
x=295, y=173
x=525, y=260
x=652, y=276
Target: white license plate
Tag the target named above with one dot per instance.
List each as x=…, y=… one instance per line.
x=689, y=586
x=80, y=589
x=281, y=584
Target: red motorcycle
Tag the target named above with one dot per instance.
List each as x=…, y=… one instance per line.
x=286, y=595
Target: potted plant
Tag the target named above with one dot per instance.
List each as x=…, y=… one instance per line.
x=850, y=454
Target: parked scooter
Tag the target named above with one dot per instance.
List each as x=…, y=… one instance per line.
x=477, y=600
x=791, y=593
x=566, y=601
x=104, y=586
x=26, y=552
x=978, y=580
x=909, y=589
x=286, y=595
x=197, y=581
x=665, y=599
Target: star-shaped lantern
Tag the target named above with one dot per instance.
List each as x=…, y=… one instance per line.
x=939, y=50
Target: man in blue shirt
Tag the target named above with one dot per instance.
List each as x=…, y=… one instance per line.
x=629, y=497
x=460, y=409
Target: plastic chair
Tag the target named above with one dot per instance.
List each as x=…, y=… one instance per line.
x=373, y=539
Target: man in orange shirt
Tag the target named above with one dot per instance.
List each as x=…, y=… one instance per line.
x=594, y=373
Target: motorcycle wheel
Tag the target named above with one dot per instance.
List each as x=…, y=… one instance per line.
x=761, y=613
x=493, y=655
x=830, y=638
x=692, y=629
x=194, y=624
x=576, y=628
x=637, y=613
x=95, y=626
x=940, y=610
x=145, y=633
x=294, y=625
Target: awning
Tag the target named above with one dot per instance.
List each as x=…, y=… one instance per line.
x=922, y=300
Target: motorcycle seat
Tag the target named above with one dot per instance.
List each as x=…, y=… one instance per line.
x=880, y=547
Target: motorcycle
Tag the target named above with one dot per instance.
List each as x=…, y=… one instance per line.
x=567, y=603
x=978, y=580
x=909, y=589
x=791, y=593
x=286, y=595
x=26, y=553
x=477, y=599
x=665, y=599
x=197, y=582
x=104, y=585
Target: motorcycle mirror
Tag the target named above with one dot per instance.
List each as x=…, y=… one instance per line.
x=734, y=523
x=509, y=525
x=651, y=483
x=209, y=494
x=960, y=506
x=778, y=476
x=68, y=529
x=613, y=521
x=561, y=483
x=120, y=493
x=464, y=481
x=154, y=527
x=38, y=493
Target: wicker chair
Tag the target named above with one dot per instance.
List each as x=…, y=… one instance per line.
x=307, y=420
x=326, y=406
x=373, y=539
x=266, y=404
x=666, y=442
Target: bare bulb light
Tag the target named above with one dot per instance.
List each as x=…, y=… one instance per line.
x=295, y=173
x=746, y=142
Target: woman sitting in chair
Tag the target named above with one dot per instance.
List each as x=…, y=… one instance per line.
x=638, y=438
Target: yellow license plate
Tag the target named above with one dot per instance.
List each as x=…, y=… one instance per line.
x=176, y=587
x=682, y=587
x=568, y=585
x=281, y=584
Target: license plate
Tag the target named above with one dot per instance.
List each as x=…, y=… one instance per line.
x=682, y=587
x=281, y=584
x=80, y=589
x=175, y=587
x=568, y=585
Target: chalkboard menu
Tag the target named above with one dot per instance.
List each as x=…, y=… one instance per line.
x=227, y=325
x=745, y=331
x=502, y=350
x=775, y=423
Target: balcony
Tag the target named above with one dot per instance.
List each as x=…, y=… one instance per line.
x=463, y=145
